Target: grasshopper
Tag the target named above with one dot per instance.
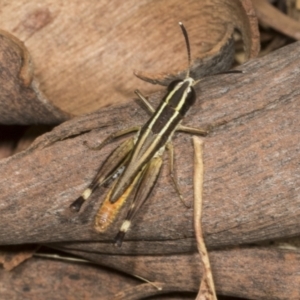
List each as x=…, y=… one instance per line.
x=136, y=163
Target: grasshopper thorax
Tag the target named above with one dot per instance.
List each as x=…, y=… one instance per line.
x=181, y=95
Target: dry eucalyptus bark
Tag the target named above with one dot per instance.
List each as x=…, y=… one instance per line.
x=276, y=19
x=83, y=64
x=251, y=185
x=21, y=101
x=251, y=273
x=251, y=159
x=47, y=279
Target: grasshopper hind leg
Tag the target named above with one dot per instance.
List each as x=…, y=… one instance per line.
x=145, y=185
x=109, y=169
x=77, y=204
x=173, y=176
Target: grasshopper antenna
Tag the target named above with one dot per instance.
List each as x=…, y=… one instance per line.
x=188, y=47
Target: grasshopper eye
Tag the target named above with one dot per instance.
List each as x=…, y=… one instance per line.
x=172, y=85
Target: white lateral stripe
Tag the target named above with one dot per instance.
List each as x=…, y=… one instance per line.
x=176, y=109
x=165, y=103
x=165, y=128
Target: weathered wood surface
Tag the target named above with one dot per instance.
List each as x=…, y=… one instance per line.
x=251, y=158
x=282, y=21
x=84, y=52
x=54, y=279
x=253, y=273
x=21, y=101
x=247, y=273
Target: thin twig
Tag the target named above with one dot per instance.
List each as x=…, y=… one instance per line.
x=207, y=288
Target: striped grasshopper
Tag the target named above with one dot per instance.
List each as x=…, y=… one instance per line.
x=136, y=163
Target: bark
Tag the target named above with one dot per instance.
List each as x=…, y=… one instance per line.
x=84, y=63
x=252, y=273
x=21, y=101
x=251, y=164
x=276, y=19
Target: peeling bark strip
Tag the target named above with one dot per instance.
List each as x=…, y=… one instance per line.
x=250, y=189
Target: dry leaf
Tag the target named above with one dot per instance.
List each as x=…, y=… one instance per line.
x=13, y=256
